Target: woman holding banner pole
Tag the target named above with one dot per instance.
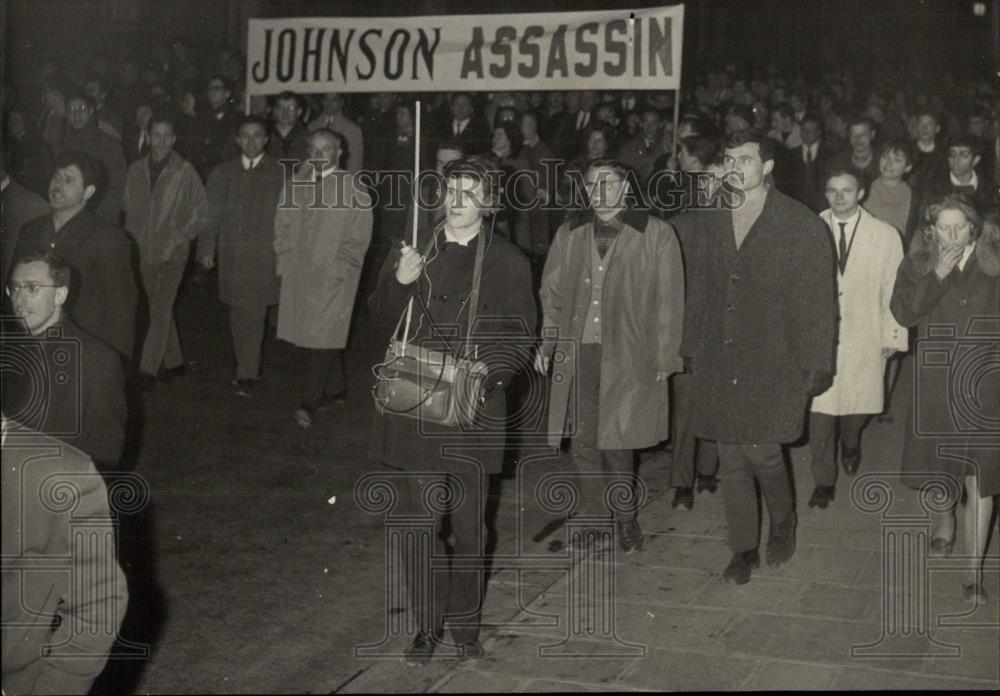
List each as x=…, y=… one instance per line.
x=426, y=291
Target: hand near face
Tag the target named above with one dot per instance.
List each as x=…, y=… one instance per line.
x=948, y=257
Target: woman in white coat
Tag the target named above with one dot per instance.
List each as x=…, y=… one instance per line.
x=869, y=252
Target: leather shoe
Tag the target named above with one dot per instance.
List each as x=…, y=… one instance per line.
x=683, y=497
x=630, y=536
x=742, y=565
x=850, y=459
x=781, y=542
x=421, y=650
x=707, y=483
x=821, y=497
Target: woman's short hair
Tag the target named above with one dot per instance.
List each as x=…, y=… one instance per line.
x=482, y=171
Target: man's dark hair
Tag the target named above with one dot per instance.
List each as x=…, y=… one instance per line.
x=842, y=170
x=482, y=171
x=861, y=119
x=102, y=85
x=453, y=145
x=784, y=109
x=162, y=115
x=898, y=145
x=978, y=110
x=288, y=95
x=745, y=136
x=966, y=140
x=90, y=169
x=742, y=111
x=928, y=111
x=59, y=270
x=251, y=119
x=80, y=95
x=615, y=165
x=226, y=84
x=706, y=150
x=813, y=117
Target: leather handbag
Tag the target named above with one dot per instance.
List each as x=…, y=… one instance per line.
x=434, y=386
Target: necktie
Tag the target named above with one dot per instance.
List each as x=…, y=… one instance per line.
x=842, y=248
x=458, y=128
x=142, y=141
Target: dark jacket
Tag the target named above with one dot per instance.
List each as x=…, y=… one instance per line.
x=758, y=319
x=956, y=395
x=103, y=295
x=215, y=139
x=77, y=392
x=107, y=150
x=18, y=206
x=504, y=334
x=239, y=230
x=295, y=146
x=805, y=182
x=476, y=137
x=60, y=619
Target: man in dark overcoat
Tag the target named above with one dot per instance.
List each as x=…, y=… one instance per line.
x=103, y=294
x=243, y=196
x=613, y=284
x=759, y=334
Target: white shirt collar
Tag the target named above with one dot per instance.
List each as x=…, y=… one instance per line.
x=973, y=182
x=965, y=256
x=248, y=163
x=850, y=222
x=327, y=172
x=449, y=237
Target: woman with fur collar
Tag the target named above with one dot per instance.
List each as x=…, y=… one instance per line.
x=948, y=287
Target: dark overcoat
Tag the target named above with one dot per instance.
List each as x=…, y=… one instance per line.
x=504, y=334
x=642, y=309
x=951, y=425
x=239, y=230
x=103, y=296
x=757, y=319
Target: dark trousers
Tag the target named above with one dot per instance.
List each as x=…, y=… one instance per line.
x=162, y=345
x=247, y=323
x=598, y=469
x=823, y=442
x=739, y=466
x=689, y=453
x=445, y=572
x=323, y=374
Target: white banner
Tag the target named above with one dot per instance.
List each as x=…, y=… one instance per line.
x=615, y=49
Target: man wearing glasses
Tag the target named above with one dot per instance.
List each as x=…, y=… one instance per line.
x=84, y=135
x=70, y=384
x=613, y=286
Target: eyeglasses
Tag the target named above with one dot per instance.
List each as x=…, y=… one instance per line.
x=29, y=289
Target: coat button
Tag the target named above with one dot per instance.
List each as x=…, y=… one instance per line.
x=730, y=308
x=728, y=342
x=963, y=302
x=735, y=380
x=734, y=277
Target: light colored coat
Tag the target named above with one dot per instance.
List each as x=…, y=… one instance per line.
x=643, y=308
x=320, y=246
x=167, y=216
x=866, y=322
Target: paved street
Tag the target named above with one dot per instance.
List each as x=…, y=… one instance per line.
x=256, y=579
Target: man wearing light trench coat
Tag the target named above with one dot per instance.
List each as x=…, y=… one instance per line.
x=868, y=334
x=321, y=236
